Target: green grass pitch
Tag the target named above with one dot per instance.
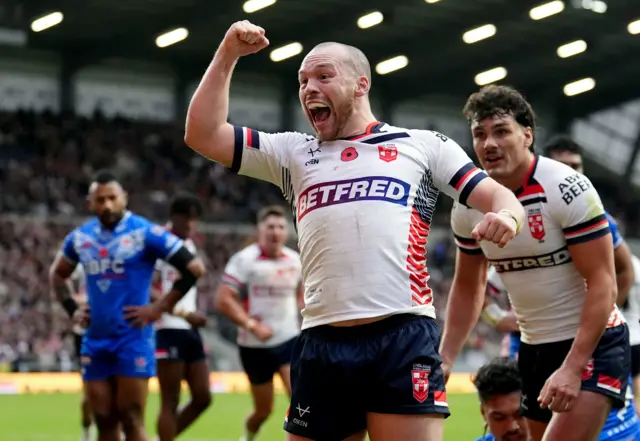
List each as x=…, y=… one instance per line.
x=55, y=417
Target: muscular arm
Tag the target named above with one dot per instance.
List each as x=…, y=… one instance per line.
x=466, y=298
x=300, y=296
x=490, y=197
x=599, y=275
x=59, y=282
x=625, y=276
x=207, y=130
x=228, y=303
x=191, y=269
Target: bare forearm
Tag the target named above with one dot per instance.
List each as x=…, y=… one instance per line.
x=593, y=321
x=624, y=282
x=504, y=199
x=508, y=324
x=491, y=197
x=234, y=311
x=209, y=107
x=61, y=288
x=463, y=312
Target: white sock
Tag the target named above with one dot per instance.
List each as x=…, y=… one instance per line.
x=248, y=436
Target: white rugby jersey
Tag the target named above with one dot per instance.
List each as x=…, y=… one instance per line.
x=189, y=303
x=632, y=311
x=362, y=207
x=545, y=289
x=268, y=289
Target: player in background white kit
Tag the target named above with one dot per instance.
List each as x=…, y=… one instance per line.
x=564, y=149
x=80, y=297
x=262, y=293
x=179, y=348
x=363, y=194
x=574, y=355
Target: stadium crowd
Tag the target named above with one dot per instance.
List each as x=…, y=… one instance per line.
x=46, y=161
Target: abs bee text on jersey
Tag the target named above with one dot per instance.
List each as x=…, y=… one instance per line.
x=572, y=187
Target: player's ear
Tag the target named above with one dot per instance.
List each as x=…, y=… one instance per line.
x=363, y=86
x=528, y=137
x=125, y=198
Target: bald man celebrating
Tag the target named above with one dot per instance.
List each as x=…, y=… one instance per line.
x=362, y=194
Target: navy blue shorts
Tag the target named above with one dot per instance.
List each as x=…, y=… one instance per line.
x=607, y=372
x=179, y=345
x=340, y=374
x=261, y=363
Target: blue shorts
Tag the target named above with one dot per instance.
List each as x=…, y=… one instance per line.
x=607, y=372
x=261, y=363
x=338, y=375
x=126, y=357
x=179, y=345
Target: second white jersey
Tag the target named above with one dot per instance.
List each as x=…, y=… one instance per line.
x=363, y=207
x=545, y=289
x=632, y=311
x=268, y=289
x=189, y=303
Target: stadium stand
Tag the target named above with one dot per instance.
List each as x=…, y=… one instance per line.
x=59, y=124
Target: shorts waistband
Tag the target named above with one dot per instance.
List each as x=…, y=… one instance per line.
x=367, y=331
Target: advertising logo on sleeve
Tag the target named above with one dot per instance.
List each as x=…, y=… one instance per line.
x=372, y=188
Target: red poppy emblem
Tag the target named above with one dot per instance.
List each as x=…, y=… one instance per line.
x=349, y=154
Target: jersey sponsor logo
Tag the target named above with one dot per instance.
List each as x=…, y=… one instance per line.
x=572, y=187
x=420, y=380
x=555, y=258
x=98, y=267
x=536, y=224
x=388, y=153
x=372, y=188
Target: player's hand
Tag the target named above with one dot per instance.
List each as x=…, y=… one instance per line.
x=244, y=38
x=82, y=316
x=195, y=319
x=560, y=390
x=495, y=227
x=141, y=316
x=262, y=332
x=446, y=370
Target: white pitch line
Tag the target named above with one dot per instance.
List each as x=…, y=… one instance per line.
x=67, y=437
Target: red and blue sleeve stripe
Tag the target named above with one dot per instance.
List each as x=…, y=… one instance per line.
x=465, y=180
x=243, y=137
x=586, y=231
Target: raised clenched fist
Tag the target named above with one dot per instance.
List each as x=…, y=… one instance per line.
x=498, y=228
x=244, y=38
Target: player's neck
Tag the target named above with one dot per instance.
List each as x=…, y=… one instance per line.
x=270, y=252
x=112, y=226
x=358, y=122
x=517, y=179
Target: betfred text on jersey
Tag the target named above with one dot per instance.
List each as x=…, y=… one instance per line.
x=372, y=188
x=555, y=258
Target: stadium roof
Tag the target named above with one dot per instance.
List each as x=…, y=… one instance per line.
x=429, y=33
